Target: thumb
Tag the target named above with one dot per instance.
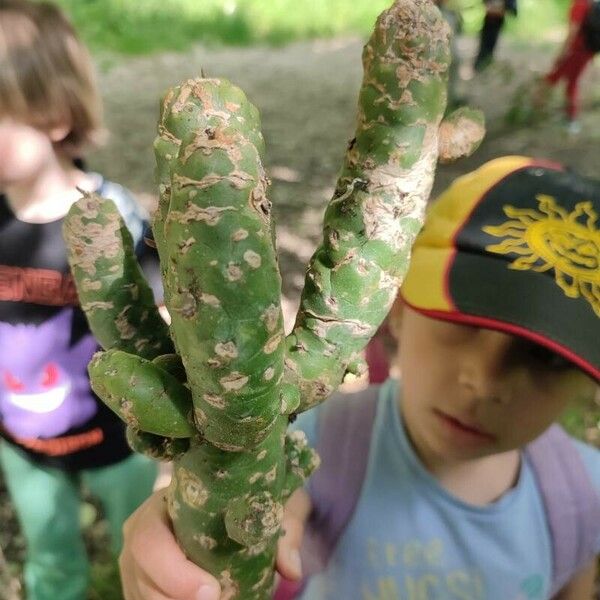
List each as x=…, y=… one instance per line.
x=288, y=549
x=208, y=590
x=296, y=512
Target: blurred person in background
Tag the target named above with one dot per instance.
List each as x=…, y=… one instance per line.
x=495, y=16
x=57, y=435
x=577, y=52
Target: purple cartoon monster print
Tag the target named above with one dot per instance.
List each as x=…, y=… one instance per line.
x=44, y=386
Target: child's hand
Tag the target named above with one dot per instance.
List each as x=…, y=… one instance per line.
x=153, y=567
x=296, y=512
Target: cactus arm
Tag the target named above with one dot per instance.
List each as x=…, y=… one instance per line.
x=113, y=293
x=461, y=132
x=302, y=460
x=145, y=396
x=378, y=204
x=222, y=278
x=183, y=109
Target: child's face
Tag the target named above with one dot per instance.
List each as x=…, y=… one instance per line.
x=24, y=152
x=470, y=392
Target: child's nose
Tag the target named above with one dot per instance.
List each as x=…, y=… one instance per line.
x=486, y=373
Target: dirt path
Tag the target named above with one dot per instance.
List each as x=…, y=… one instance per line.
x=306, y=94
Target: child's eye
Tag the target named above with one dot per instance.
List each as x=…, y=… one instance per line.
x=50, y=376
x=547, y=358
x=13, y=383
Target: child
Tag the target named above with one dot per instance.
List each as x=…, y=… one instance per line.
x=495, y=15
x=57, y=435
x=460, y=487
x=454, y=20
x=570, y=64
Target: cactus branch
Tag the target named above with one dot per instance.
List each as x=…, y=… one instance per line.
x=113, y=292
x=379, y=201
x=145, y=396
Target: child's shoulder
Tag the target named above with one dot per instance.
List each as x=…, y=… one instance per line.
x=132, y=212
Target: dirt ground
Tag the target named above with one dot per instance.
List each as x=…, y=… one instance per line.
x=306, y=94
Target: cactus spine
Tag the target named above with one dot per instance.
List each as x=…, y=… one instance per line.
x=220, y=406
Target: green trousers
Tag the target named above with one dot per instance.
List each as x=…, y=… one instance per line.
x=47, y=502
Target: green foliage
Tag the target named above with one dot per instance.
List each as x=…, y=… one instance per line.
x=140, y=27
x=536, y=19
x=134, y=27
x=105, y=582
x=582, y=420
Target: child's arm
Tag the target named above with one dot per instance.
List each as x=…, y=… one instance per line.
x=581, y=587
x=153, y=567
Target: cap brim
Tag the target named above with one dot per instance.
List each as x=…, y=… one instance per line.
x=481, y=290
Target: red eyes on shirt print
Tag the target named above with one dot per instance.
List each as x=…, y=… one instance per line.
x=44, y=386
x=49, y=379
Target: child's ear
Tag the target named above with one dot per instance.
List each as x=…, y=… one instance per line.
x=59, y=132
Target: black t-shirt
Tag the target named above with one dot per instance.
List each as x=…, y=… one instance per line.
x=46, y=405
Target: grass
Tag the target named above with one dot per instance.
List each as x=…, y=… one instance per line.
x=105, y=583
x=142, y=26
x=145, y=26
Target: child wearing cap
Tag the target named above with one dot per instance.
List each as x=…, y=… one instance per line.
x=453, y=482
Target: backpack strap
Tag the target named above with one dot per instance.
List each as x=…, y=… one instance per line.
x=571, y=501
x=344, y=438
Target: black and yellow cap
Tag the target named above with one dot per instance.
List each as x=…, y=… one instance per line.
x=515, y=246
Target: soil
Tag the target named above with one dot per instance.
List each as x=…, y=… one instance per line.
x=306, y=93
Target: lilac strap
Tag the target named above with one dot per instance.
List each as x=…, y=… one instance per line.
x=344, y=432
x=572, y=503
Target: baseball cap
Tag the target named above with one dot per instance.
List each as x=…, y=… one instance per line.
x=515, y=246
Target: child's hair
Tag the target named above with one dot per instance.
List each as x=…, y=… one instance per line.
x=46, y=74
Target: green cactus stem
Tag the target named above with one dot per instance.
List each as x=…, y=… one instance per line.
x=116, y=298
x=227, y=493
x=222, y=278
x=145, y=396
x=219, y=407
x=379, y=201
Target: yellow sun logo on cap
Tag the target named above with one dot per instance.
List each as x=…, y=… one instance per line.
x=553, y=238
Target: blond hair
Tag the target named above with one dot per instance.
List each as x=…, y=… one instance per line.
x=46, y=74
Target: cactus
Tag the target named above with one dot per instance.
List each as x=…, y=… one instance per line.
x=219, y=404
